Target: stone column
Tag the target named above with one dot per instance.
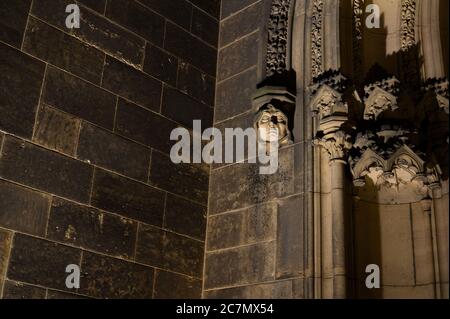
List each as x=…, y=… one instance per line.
x=440, y=249
x=334, y=259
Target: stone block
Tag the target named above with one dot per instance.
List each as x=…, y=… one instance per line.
x=189, y=48
x=132, y=84
x=105, y=149
x=63, y=51
x=89, y=228
x=45, y=170
x=127, y=198
x=137, y=18
x=20, y=76
x=22, y=209
x=110, y=278
x=13, y=19
x=57, y=130
x=169, y=251
x=79, y=98
x=44, y=265
x=173, y=286
x=143, y=126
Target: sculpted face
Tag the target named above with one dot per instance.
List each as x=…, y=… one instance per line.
x=275, y=124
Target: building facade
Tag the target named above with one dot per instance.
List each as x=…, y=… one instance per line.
x=360, y=195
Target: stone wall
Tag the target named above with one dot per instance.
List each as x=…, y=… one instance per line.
x=255, y=243
x=85, y=120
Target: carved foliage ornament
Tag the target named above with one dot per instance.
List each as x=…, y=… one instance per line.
x=316, y=37
x=278, y=37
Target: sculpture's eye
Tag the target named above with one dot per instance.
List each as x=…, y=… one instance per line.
x=265, y=119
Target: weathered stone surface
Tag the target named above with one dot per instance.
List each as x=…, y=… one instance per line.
x=238, y=56
x=188, y=180
x=113, y=152
x=178, y=11
x=105, y=277
x=160, y=64
x=45, y=170
x=226, y=231
x=44, y=265
x=137, y=18
x=239, y=266
x=20, y=76
x=276, y=290
x=97, y=5
x=80, y=98
x=62, y=50
x=377, y=227
x=242, y=121
x=128, y=198
x=144, y=126
x=53, y=294
x=13, y=18
x=196, y=83
x=290, y=244
x=210, y=6
x=173, y=286
x=22, y=209
x=169, y=251
x=57, y=130
x=5, y=246
x=205, y=27
x=423, y=245
x=53, y=11
x=107, y=36
x=245, y=187
x=184, y=110
x=240, y=24
x=89, y=228
x=132, y=84
x=234, y=95
x=191, y=49
x=185, y=217
x=16, y=290
x=230, y=7
x=253, y=225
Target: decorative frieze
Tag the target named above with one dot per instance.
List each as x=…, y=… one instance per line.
x=357, y=29
x=316, y=38
x=408, y=35
x=278, y=32
x=386, y=152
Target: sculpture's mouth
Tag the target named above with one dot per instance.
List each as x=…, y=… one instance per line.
x=273, y=134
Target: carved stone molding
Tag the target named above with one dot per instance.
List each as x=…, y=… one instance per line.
x=380, y=97
x=437, y=89
x=316, y=38
x=336, y=144
x=357, y=29
x=278, y=37
x=408, y=34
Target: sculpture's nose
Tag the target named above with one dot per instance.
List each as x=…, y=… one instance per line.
x=274, y=120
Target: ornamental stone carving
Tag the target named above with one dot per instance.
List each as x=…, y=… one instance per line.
x=278, y=28
x=316, y=38
x=388, y=153
x=336, y=144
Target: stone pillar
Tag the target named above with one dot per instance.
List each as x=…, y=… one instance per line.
x=334, y=270
x=440, y=249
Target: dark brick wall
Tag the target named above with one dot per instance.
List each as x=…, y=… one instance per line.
x=85, y=120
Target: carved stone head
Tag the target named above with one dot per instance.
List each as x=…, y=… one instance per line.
x=275, y=125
